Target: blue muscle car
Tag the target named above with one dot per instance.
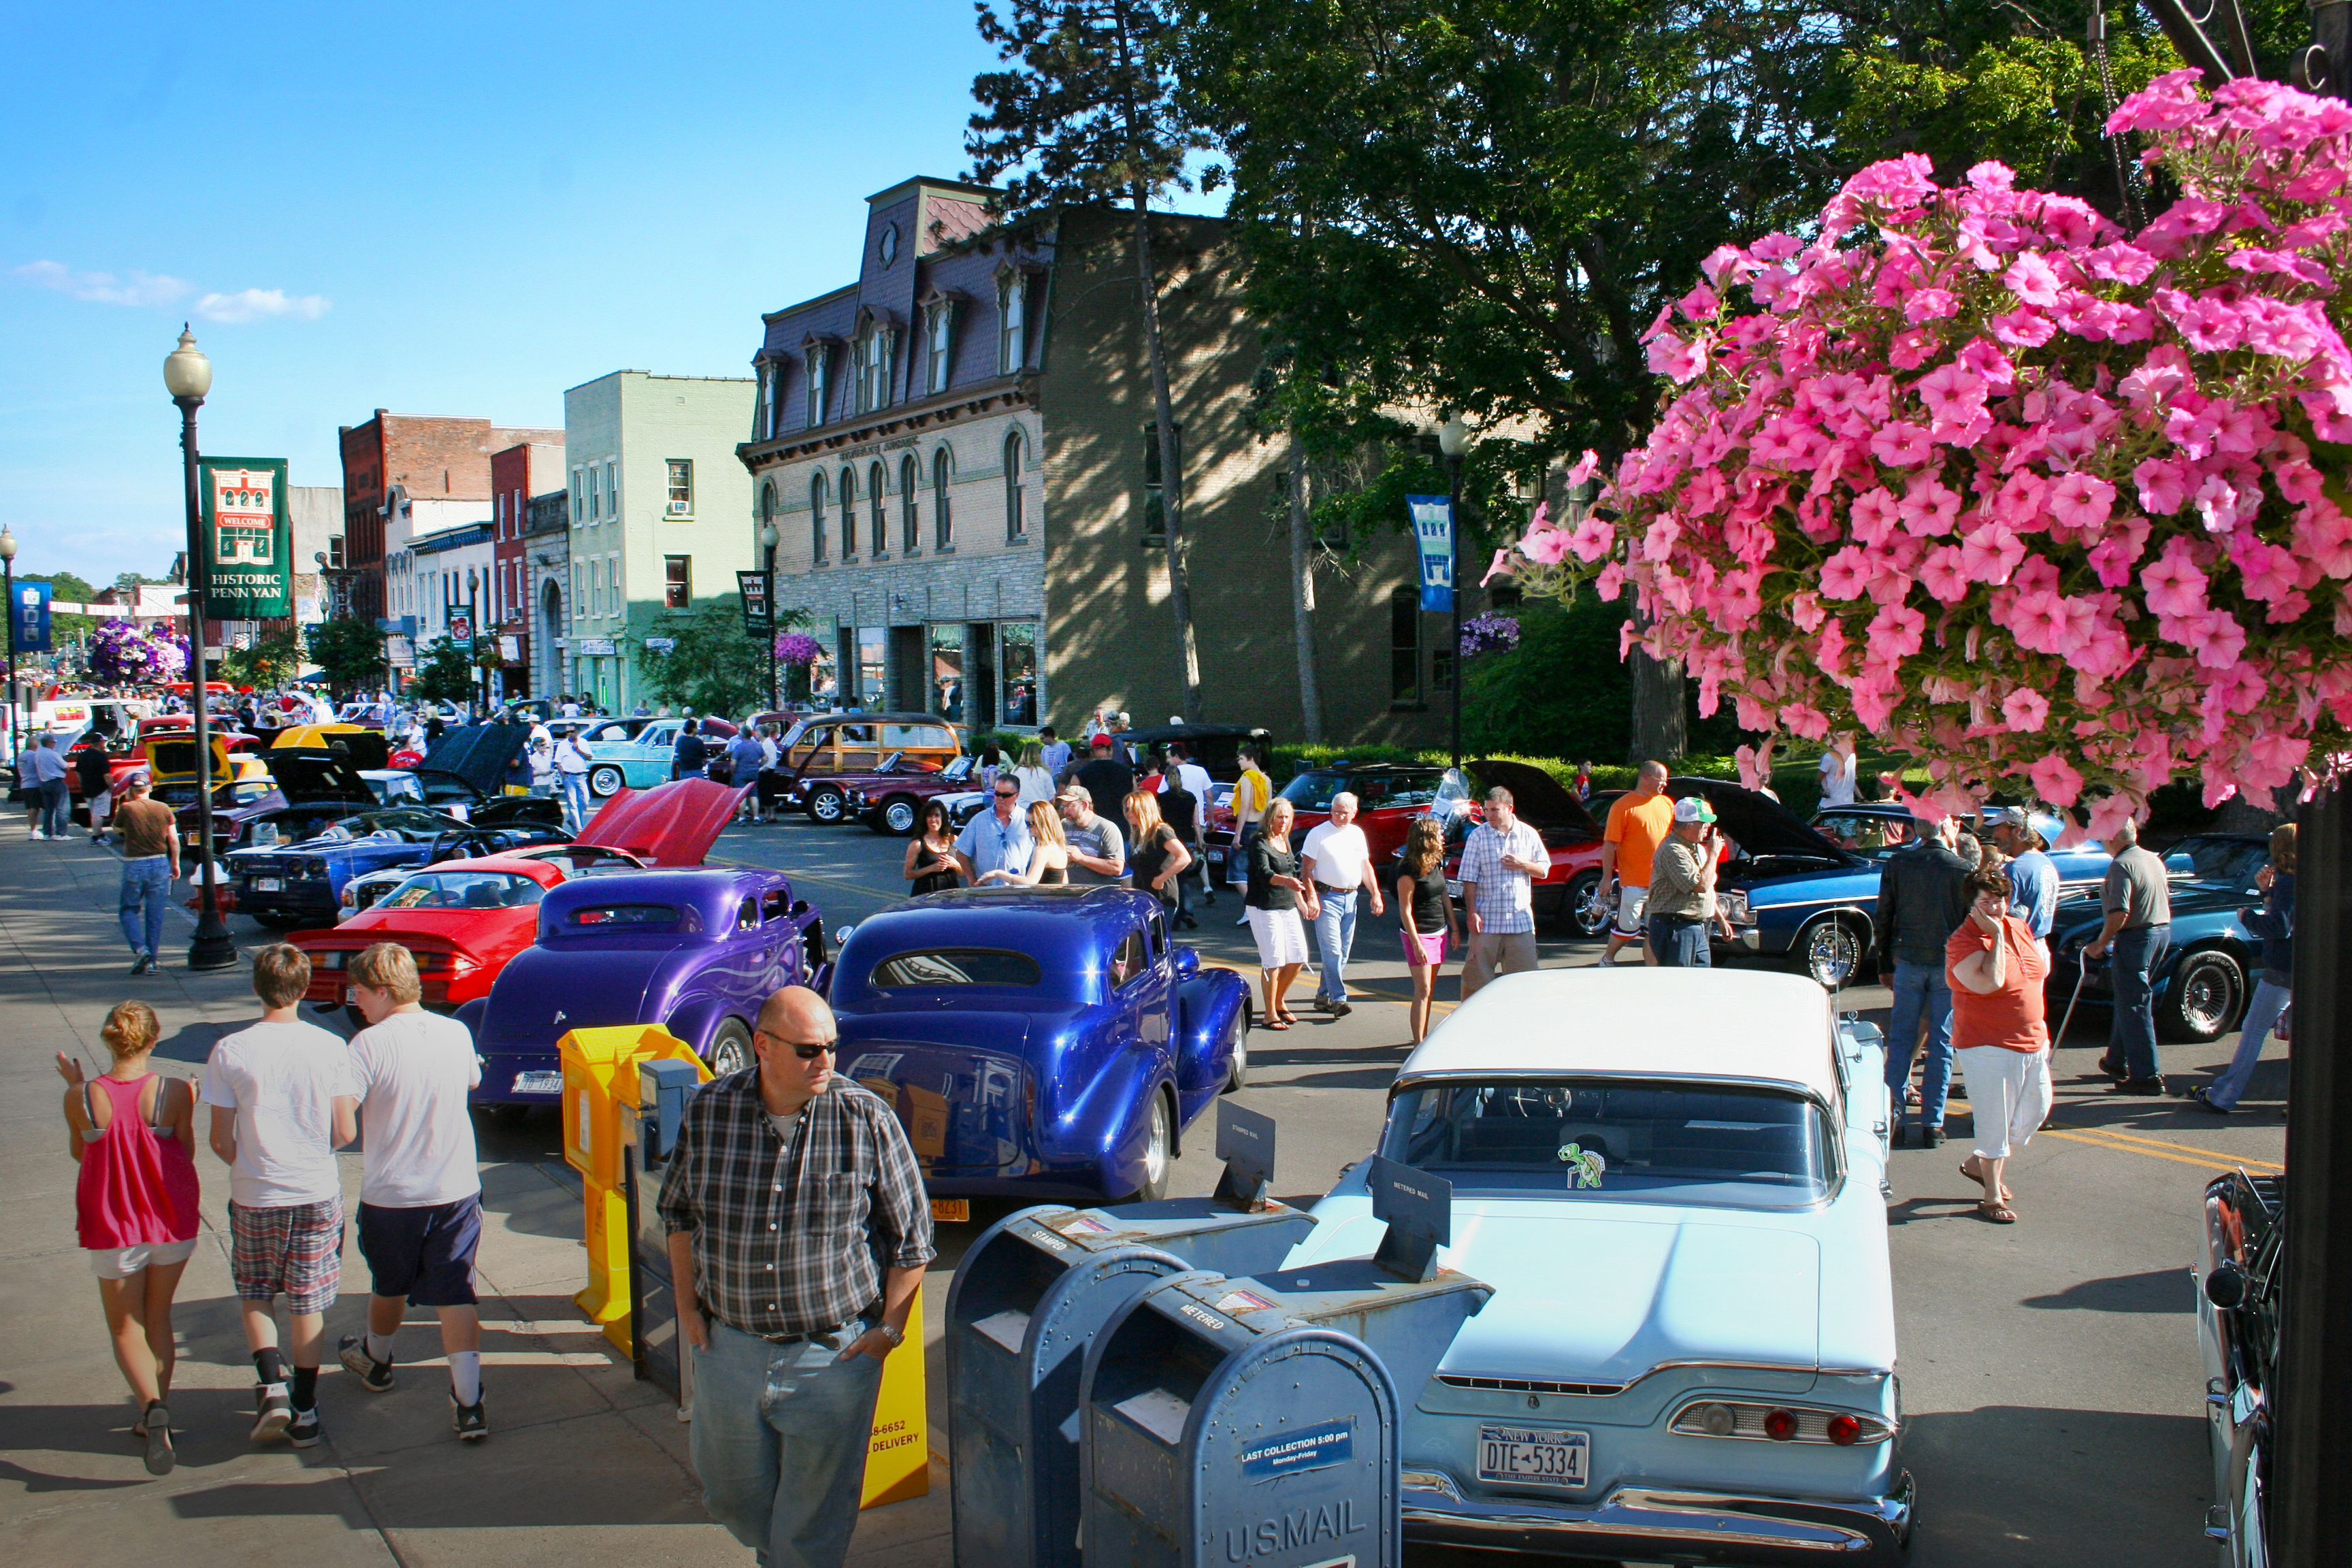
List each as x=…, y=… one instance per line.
x=295, y=885
x=1046, y=1042
x=2209, y=968
x=1672, y=1179
x=694, y=950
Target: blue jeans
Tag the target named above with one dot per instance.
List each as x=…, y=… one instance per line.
x=56, y=808
x=1680, y=943
x=2262, y=1010
x=1922, y=993
x=2132, y=958
x=146, y=883
x=780, y=1438
x=576, y=799
x=1335, y=939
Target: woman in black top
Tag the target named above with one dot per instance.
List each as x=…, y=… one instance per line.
x=1276, y=890
x=931, y=858
x=1426, y=911
x=1157, y=857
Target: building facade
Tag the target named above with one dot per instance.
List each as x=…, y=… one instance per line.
x=547, y=551
x=405, y=474
x=958, y=452
x=516, y=474
x=658, y=507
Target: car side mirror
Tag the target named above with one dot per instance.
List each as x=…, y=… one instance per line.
x=1188, y=963
x=2225, y=1285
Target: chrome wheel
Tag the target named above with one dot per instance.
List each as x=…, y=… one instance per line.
x=1237, y=1070
x=828, y=806
x=899, y=816
x=1158, y=1154
x=1832, y=952
x=2204, y=998
x=1586, y=912
x=606, y=782
x=730, y=1049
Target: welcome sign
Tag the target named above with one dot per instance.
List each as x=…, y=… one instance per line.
x=249, y=539
x=1432, y=532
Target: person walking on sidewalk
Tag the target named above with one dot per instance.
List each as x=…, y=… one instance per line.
x=283, y=1099
x=1499, y=862
x=1995, y=970
x=1425, y=911
x=798, y=1232
x=1921, y=902
x=134, y=1134
x=1681, y=903
x=2136, y=898
x=421, y=1196
x=572, y=760
x=2274, y=924
x=28, y=788
x=1338, y=861
x=1638, y=823
x=1276, y=894
x=150, y=864
x=49, y=781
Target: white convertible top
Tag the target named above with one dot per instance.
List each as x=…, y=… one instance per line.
x=1703, y=1023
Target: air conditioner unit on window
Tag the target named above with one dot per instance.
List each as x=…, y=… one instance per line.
x=681, y=509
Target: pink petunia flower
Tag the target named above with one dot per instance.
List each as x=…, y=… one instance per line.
x=2025, y=710
x=1943, y=575
x=2056, y=780
x=2322, y=535
x=1929, y=508
x=1902, y=445
x=1591, y=539
x=2172, y=583
x=2081, y=500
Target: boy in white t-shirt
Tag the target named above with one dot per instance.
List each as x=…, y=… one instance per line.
x=282, y=1101
x=421, y=1198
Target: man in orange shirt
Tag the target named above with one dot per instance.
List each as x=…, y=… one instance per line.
x=1638, y=824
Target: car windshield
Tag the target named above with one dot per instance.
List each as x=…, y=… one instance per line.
x=1870, y=834
x=464, y=891
x=1313, y=791
x=955, y=966
x=2231, y=862
x=1618, y=1141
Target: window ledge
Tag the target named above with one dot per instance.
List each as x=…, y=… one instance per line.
x=943, y=550
x=911, y=556
x=880, y=556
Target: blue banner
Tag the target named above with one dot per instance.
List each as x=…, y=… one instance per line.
x=1432, y=532
x=29, y=617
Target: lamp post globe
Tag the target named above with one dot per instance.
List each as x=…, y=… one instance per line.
x=7, y=544
x=186, y=371
x=188, y=377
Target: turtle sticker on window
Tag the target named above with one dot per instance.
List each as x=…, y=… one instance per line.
x=1584, y=1165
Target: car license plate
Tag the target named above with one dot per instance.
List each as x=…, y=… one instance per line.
x=539, y=1083
x=267, y=885
x=1532, y=1456
x=1452, y=889
x=951, y=1211
x=1217, y=858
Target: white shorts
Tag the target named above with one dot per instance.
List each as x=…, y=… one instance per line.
x=1281, y=937
x=1629, y=912
x=123, y=1262
x=2008, y=1094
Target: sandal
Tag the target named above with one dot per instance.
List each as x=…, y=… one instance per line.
x=1998, y=1213
x=1978, y=1177
x=1278, y=1024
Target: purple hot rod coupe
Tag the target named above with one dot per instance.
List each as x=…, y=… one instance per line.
x=1040, y=1042
x=694, y=950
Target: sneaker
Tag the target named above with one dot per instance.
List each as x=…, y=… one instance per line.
x=1341, y=1009
x=273, y=1411
x=156, y=1427
x=2204, y=1098
x=2151, y=1088
x=374, y=1375
x=470, y=1422
x=1245, y=919
x=38, y=836
x=139, y=964
x=2113, y=1068
x=304, y=1431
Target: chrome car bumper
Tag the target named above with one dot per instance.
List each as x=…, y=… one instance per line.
x=1681, y=1525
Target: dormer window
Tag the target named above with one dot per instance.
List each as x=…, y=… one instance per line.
x=816, y=382
x=873, y=368
x=772, y=388
x=1011, y=319
x=942, y=342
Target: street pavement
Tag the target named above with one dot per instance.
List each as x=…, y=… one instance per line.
x=2050, y=1378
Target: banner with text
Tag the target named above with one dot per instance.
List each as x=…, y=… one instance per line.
x=1432, y=531
x=758, y=591
x=249, y=539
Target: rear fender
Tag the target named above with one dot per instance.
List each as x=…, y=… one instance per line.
x=1209, y=1008
x=1121, y=1166
x=470, y=1015
x=697, y=1019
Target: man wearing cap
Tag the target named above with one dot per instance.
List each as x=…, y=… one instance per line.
x=1681, y=902
x=1107, y=778
x=2032, y=876
x=1097, y=849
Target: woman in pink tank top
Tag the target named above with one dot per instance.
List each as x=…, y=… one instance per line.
x=134, y=1134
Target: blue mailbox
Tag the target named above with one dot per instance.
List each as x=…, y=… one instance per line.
x=1031, y=1293
x=1255, y=1421
x=649, y=1136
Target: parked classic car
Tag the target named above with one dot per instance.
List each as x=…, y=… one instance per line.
x=464, y=773
x=301, y=883
x=694, y=951
x=1217, y=748
x=889, y=799
x=1039, y=1042
x=309, y=789
x=2209, y=968
x=826, y=745
x=1672, y=1179
x=1389, y=795
x=2239, y=1311
x=635, y=753
x=240, y=770
x=462, y=920
x=1572, y=837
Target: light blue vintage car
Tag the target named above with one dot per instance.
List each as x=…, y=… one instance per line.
x=630, y=752
x=1675, y=1181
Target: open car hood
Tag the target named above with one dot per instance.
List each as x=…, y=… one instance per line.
x=670, y=825
x=1536, y=795
x=309, y=777
x=1761, y=824
x=174, y=757
x=478, y=753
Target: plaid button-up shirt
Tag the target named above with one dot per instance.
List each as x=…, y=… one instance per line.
x=794, y=1241
x=1506, y=900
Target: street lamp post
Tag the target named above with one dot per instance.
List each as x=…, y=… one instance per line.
x=768, y=537
x=1453, y=440
x=473, y=642
x=188, y=375
x=8, y=573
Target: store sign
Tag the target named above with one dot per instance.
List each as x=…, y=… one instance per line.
x=509, y=649
x=758, y=591
x=249, y=539
x=28, y=618
x=596, y=648
x=1432, y=532
x=661, y=645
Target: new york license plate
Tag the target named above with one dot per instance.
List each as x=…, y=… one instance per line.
x=267, y=885
x=1452, y=889
x=539, y=1083
x=1534, y=1455
x=951, y=1211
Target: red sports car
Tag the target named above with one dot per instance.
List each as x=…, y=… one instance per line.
x=463, y=920
x=1389, y=795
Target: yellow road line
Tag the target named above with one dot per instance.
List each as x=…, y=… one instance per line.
x=2208, y=1162
x=2138, y=1143
x=2164, y=1145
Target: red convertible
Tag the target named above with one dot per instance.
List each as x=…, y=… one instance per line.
x=464, y=918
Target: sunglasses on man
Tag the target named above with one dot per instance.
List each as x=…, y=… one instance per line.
x=1008, y=794
x=804, y=1049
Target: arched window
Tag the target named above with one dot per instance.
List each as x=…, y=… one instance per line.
x=876, y=505
x=1012, y=319
x=1016, y=520
x=767, y=504
x=911, y=528
x=816, y=380
x=848, y=498
x=942, y=341
x=816, y=519
x=942, y=517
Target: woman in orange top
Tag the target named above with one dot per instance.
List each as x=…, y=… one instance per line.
x=1996, y=969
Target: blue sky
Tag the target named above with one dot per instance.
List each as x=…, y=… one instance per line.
x=431, y=208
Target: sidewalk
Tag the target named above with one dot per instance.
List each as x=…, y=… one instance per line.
x=577, y=1445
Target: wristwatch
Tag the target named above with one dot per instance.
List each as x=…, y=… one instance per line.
x=896, y=1336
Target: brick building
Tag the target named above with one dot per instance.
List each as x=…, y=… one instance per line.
x=516, y=474
x=406, y=474
x=958, y=452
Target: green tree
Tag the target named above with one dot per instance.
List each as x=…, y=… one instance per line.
x=714, y=667
x=349, y=652
x=274, y=660
x=446, y=674
x=1087, y=112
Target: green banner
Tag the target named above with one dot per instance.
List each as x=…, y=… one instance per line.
x=249, y=539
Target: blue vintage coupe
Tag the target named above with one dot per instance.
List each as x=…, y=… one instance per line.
x=1673, y=1180
x=694, y=950
x=1038, y=1042
x=2209, y=968
x=289, y=886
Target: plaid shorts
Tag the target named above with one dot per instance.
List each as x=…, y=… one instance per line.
x=296, y=1250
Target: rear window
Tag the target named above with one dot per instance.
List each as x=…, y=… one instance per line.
x=464, y=891
x=633, y=917
x=1652, y=1142
x=955, y=966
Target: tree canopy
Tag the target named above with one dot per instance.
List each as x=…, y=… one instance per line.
x=714, y=667
x=349, y=652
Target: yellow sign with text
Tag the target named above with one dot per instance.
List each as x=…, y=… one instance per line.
x=898, y=1454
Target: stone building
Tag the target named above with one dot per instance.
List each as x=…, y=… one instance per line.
x=958, y=452
x=547, y=564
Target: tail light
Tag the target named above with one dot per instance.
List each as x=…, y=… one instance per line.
x=1780, y=1424
x=1845, y=1431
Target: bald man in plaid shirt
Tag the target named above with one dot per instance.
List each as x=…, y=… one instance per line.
x=798, y=1232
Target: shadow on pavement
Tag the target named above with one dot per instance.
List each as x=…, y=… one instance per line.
x=2158, y=1291
x=2030, y=1487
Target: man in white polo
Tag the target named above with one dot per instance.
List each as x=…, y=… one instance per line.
x=1339, y=861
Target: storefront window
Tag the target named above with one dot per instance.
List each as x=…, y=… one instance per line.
x=872, y=675
x=1019, y=664
x=947, y=672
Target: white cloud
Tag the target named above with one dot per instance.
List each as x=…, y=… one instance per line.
x=105, y=287
x=261, y=305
